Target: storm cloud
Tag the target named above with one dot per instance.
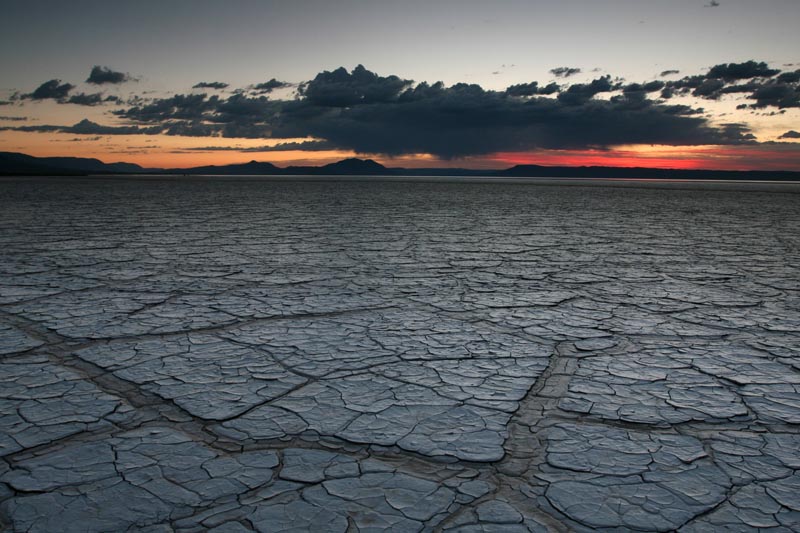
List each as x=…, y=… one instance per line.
x=87, y=127
x=365, y=112
x=210, y=85
x=269, y=86
x=102, y=75
x=52, y=89
x=92, y=99
x=305, y=146
x=369, y=113
x=756, y=80
x=741, y=71
x=564, y=72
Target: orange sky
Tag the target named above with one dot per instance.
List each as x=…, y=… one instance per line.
x=163, y=151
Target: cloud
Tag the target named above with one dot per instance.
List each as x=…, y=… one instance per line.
x=13, y=119
x=523, y=89
x=709, y=88
x=52, y=89
x=180, y=106
x=210, y=85
x=790, y=77
x=581, y=93
x=780, y=95
x=791, y=134
x=5, y=102
x=365, y=112
x=269, y=86
x=468, y=120
x=665, y=73
x=769, y=87
x=712, y=3
x=305, y=146
x=87, y=127
x=101, y=75
x=341, y=89
x=92, y=99
x=564, y=72
x=550, y=88
x=648, y=87
x=741, y=71
x=60, y=92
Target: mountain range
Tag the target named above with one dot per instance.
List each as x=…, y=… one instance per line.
x=17, y=164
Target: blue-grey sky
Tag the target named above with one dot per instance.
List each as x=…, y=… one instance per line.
x=168, y=46
x=173, y=43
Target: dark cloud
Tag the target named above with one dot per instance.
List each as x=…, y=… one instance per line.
x=753, y=78
x=709, y=88
x=60, y=92
x=369, y=113
x=669, y=73
x=550, y=88
x=87, y=127
x=649, y=87
x=712, y=3
x=523, y=89
x=468, y=120
x=741, y=71
x=339, y=88
x=271, y=85
x=101, y=75
x=52, y=89
x=532, y=89
x=92, y=99
x=210, y=85
x=180, y=106
x=581, y=93
x=13, y=119
x=305, y=146
x=564, y=72
x=790, y=77
x=791, y=134
x=34, y=129
x=780, y=95
x=5, y=102
x=83, y=139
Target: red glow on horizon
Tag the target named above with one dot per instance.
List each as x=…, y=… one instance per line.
x=681, y=158
x=589, y=160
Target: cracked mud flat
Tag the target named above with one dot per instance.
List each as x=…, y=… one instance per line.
x=298, y=356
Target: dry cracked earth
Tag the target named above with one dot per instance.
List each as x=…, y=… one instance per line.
x=301, y=356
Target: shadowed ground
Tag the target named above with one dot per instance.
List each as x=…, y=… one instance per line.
x=245, y=355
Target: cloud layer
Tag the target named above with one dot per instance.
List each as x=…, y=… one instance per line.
x=102, y=75
x=365, y=112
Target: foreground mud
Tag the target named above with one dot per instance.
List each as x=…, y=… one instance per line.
x=270, y=356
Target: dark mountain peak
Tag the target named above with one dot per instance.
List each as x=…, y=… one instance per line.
x=252, y=168
x=355, y=165
x=17, y=164
x=13, y=163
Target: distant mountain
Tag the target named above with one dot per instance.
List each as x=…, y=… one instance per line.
x=345, y=167
x=241, y=169
x=15, y=164
x=355, y=166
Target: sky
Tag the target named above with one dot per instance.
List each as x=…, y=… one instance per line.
x=660, y=83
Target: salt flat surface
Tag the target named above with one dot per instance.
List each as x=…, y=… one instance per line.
x=272, y=355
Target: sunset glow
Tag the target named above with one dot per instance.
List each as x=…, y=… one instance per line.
x=477, y=99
